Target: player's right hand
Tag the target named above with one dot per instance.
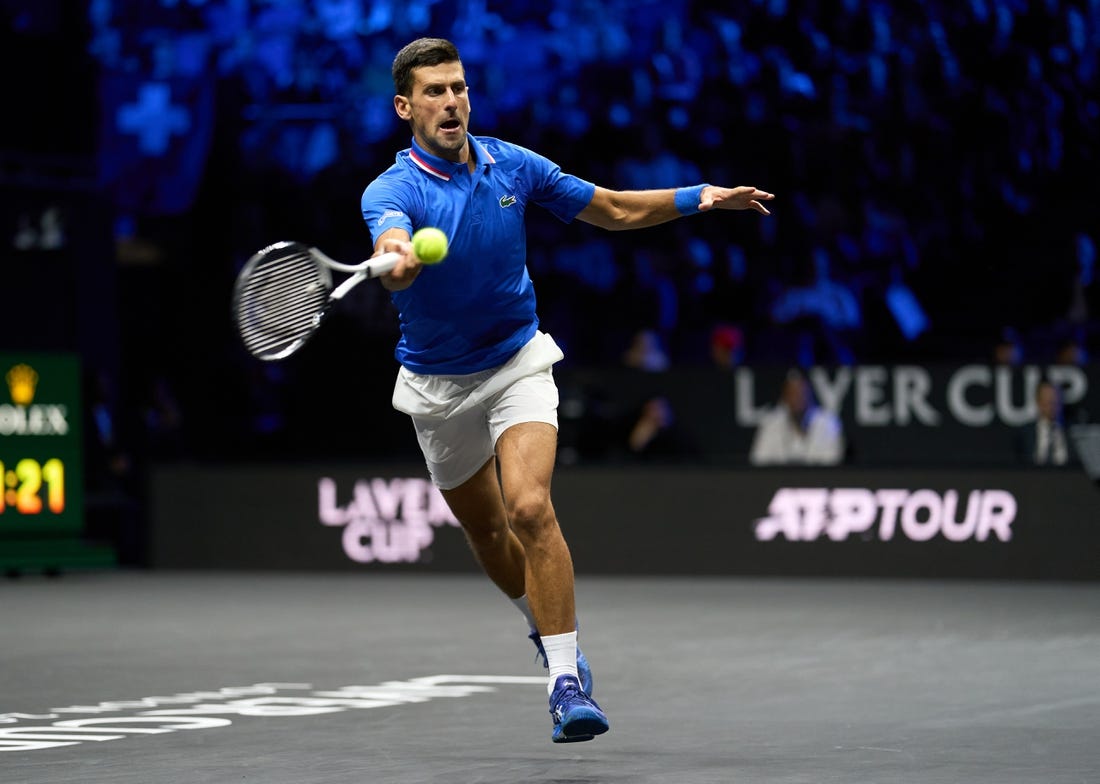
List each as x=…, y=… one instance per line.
x=401, y=276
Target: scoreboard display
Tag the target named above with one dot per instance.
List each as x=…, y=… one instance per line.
x=41, y=446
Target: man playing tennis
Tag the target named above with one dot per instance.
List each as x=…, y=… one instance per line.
x=475, y=370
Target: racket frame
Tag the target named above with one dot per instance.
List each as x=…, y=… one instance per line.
x=369, y=268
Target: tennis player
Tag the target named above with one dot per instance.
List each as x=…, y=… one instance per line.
x=475, y=373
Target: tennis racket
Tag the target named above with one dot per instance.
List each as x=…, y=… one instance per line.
x=284, y=292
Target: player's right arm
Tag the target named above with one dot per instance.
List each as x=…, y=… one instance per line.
x=396, y=240
x=390, y=205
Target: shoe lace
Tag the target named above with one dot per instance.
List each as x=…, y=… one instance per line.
x=540, y=652
x=568, y=692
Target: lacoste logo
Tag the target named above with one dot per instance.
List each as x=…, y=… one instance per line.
x=507, y=201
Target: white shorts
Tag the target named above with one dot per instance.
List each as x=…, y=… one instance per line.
x=458, y=419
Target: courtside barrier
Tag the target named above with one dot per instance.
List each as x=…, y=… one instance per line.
x=1004, y=523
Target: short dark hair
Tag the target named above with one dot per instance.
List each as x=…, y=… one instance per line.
x=418, y=54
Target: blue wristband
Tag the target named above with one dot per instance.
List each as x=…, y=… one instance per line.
x=687, y=199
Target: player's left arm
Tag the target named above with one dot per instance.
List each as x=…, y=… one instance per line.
x=617, y=210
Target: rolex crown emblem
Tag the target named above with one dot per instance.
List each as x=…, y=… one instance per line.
x=22, y=381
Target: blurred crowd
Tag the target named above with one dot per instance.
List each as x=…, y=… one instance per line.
x=930, y=159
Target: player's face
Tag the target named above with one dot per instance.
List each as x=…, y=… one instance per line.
x=438, y=108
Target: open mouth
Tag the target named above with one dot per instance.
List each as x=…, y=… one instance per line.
x=450, y=125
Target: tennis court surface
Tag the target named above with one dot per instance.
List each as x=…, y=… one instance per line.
x=166, y=677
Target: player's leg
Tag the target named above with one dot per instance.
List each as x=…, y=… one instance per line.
x=526, y=452
x=522, y=418
x=459, y=454
x=458, y=451
x=479, y=507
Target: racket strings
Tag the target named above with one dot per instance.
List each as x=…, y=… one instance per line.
x=281, y=303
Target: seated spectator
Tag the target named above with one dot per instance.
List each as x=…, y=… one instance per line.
x=646, y=352
x=798, y=431
x=1007, y=351
x=726, y=343
x=656, y=435
x=1044, y=442
x=1071, y=351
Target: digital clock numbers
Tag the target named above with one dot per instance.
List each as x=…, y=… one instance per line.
x=28, y=482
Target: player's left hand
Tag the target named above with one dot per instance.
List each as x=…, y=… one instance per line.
x=743, y=197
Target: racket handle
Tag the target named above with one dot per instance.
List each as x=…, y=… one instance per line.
x=371, y=268
x=380, y=265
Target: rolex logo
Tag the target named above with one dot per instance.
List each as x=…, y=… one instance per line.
x=24, y=417
x=22, y=382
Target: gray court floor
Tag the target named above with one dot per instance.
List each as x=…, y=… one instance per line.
x=301, y=678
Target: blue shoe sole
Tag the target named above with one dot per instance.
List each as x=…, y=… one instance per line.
x=572, y=738
x=583, y=725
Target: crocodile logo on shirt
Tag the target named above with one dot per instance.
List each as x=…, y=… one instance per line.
x=507, y=201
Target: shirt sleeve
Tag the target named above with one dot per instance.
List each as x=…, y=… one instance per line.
x=388, y=203
x=564, y=195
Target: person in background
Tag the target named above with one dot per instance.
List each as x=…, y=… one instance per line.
x=1071, y=351
x=646, y=352
x=797, y=431
x=1044, y=442
x=655, y=433
x=1007, y=351
x=726, y=345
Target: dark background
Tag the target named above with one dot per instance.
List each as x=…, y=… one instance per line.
x=933, y=164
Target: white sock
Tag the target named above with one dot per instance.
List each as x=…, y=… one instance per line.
x=561, y=655
x=523, y=607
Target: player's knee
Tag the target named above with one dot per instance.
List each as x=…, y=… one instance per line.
x=530, y=514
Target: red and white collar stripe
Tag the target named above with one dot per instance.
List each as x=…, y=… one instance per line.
x=482, y=154
x=423, y=164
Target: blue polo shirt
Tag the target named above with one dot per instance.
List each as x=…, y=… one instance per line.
x=477, y=308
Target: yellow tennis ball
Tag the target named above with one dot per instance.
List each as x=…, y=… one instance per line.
x=430, y=245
